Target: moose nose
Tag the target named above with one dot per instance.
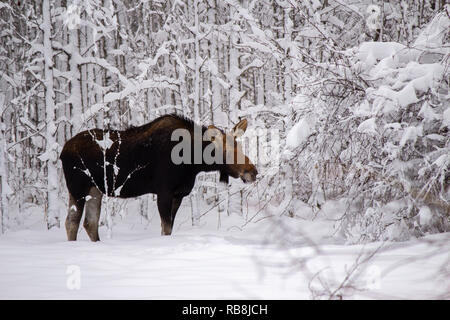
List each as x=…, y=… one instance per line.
x=250, y=176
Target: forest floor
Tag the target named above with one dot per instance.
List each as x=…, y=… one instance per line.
x=274, y=258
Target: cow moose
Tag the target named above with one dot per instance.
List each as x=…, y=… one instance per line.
x=138, y=161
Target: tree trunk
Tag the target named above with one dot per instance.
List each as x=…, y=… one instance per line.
x=3, y=180
x=53, y=218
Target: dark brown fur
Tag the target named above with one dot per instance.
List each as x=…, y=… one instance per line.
x=138, y=162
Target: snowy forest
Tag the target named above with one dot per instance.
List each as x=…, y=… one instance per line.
x=347, y=102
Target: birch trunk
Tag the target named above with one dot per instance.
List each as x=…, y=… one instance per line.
x=75, y=82
x=3, y=180
x=234, y=81
x=197, y=66
x=288, y=60
x=196, y=111
x=53, y=218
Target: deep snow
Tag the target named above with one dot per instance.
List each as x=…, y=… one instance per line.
x=258, y=261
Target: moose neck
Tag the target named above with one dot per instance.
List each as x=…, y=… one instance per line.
x=208, y=167
x=198, y=160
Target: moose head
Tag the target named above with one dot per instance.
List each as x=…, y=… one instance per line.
x=236, y=163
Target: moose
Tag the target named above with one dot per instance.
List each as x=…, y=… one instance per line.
x=140, y=160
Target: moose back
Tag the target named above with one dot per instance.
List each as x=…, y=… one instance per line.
x=140, y=160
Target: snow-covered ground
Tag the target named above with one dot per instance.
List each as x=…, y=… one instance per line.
x=257, y=261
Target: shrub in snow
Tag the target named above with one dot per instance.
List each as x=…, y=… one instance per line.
x=381, y=139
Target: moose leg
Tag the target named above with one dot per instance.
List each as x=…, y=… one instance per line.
x=73, y=217
x=176, y=202
x=164, y=203
x=92, y=216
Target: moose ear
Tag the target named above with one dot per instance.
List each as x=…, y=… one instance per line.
x=240, y=128
x=212, y=133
